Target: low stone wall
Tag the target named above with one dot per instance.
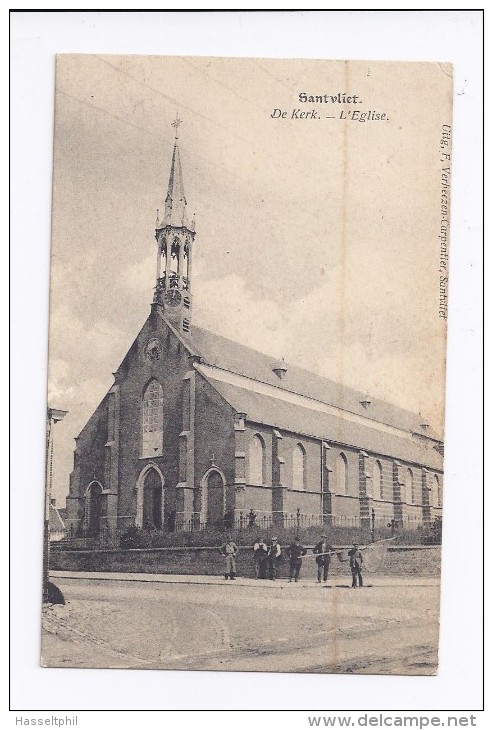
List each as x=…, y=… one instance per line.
x=400, y=560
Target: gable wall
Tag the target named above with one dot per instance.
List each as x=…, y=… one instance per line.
x=169, y=371
x=89, y=463
x=94, y=450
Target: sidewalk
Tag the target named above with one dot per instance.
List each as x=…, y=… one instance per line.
x=380, y=581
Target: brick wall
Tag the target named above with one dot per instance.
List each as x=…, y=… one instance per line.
x=214, y=436
x=169, y=371
x=405, y=561
x=259, y=499
x=265, y=434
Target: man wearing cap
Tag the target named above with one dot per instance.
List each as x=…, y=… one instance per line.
x=295, y=554
x=322, y=550
x=273, y=558
x=259, y=557
x=229, y=551
x=356, y=563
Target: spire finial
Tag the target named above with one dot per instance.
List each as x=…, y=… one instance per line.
x=176, y=124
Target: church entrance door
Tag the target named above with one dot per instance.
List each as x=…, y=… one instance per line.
x=215, y=498
x=153, y=501
x=94, y=505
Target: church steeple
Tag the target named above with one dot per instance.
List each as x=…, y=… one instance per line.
x=175, y=212
x=174, y=236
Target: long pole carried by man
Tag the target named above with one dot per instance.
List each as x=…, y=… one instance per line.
x=375, y=554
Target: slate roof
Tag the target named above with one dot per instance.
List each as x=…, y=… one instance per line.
x=298, y=419
x=55, y=522
x=236, y=358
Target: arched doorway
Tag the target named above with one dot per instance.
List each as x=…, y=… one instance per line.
x=213, y=497
x=150, y=499
x=153, y=501
x=93, y=508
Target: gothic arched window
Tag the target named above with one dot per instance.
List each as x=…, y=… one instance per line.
x=438, y=491
x=342, y=482
x=409, y=487
x=152, y=420
x=256, y=459
x=299, y=467
x=377, y=480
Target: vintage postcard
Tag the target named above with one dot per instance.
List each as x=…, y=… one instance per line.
x=248, y=322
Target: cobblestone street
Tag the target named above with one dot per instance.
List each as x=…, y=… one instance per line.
x=203, y=622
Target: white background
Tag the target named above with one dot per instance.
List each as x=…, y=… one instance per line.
x=453, y=36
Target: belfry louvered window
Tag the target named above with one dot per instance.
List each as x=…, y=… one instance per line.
x=152, y=420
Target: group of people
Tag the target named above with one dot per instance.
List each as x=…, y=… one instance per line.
x=267, y=559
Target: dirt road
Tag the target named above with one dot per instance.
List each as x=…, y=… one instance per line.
x=390, y=627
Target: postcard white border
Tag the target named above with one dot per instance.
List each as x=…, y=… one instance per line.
x=453, y=36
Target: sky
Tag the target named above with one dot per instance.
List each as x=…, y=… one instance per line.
x=317, y=239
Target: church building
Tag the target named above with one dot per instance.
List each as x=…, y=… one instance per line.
x=197, y=426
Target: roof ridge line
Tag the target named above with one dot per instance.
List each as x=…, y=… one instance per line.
x=299, y=367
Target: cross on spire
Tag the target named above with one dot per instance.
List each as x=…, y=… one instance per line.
x=176, y=124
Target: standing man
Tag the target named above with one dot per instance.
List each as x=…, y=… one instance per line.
x=229, y=551
x=356, y=563
x=322, y=550
x=295, y=553
x=259, y=557
x=273, y=558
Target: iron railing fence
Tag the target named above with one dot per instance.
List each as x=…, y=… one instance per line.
x=194, y=531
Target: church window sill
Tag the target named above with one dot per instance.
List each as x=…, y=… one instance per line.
x=304, y=491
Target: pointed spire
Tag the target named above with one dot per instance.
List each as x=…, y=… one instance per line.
x=175, y=213
x=176, y=191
